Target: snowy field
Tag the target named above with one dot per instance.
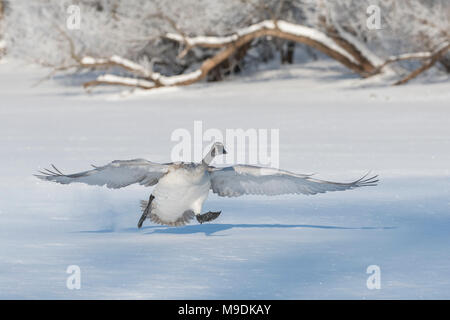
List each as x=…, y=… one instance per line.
x=286, y=247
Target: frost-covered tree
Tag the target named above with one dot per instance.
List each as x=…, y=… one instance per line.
x=407, y=26
x=152, y=43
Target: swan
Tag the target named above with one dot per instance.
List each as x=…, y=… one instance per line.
x=182, y=188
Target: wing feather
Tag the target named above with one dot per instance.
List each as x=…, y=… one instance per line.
x=243, y=179
x=117, y=174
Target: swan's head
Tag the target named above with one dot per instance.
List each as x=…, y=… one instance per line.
x=216, y=149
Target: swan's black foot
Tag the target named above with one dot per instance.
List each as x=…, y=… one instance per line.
x=146, y=211
x=209, y=216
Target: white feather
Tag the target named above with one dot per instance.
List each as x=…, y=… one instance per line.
x=242, y=179
x=117, y=174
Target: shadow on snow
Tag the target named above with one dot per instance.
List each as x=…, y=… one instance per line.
x=210, y=229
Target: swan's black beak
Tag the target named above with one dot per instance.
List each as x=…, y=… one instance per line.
x=224, y=151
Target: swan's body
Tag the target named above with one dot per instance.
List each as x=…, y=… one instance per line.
x=182, y=188
x=180, y=192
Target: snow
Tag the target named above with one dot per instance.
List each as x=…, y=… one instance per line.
x=266, y=24
x=164, y=80
x=126, y=81
x=173, y=80
x=221, y=40
x=129, y=64
x=314, y=35
x=416, y=55
x=92, y=61
x=293, y=247
x=192, y=41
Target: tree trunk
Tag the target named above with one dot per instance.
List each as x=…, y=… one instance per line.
x=287, y=53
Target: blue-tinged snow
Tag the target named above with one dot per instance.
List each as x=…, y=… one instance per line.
x=291, y=247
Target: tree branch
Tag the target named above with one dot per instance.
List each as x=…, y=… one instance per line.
x=433, y=59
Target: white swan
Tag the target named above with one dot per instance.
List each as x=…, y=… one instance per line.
x=181, y=188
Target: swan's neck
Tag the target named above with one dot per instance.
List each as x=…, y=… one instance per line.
x=209, y=157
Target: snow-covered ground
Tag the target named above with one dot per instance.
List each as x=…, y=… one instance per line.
x=291, y=247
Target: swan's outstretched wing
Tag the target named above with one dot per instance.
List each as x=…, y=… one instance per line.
x=117, y=174
x=243, y=179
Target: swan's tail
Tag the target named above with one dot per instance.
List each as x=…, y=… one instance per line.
x=144, y=204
